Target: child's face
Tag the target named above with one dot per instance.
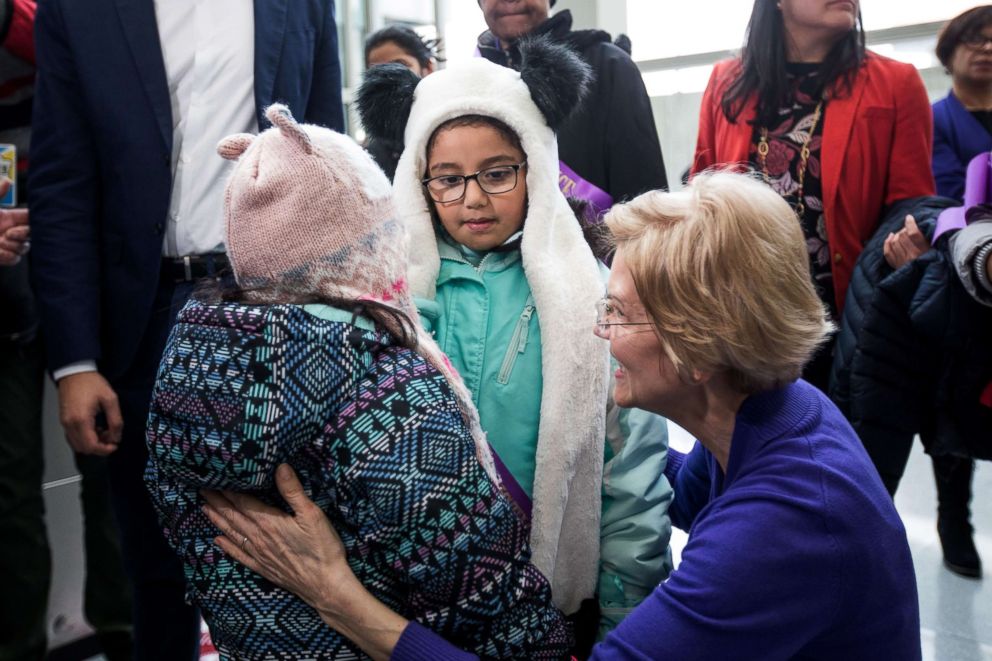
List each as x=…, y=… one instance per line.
x=479, y=220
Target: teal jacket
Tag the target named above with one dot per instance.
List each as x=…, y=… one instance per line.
x=484, y=319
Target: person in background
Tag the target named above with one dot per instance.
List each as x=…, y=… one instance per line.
x=608, y=150
x=25, y=554
x=838, y=131
x=962, y=120
x=962, y=130
x=795, y=549
x=126, y=212
x=400, y=45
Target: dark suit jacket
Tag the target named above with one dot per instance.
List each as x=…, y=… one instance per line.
x=957, y=138
x=101, y=156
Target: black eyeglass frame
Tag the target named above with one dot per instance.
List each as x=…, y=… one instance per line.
x=976, y=41
x=468, y=177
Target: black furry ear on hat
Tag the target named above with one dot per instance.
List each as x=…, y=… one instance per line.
x=557, y=77
x=384, y=100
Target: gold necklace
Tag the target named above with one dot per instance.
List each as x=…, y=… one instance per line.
x=804, y=154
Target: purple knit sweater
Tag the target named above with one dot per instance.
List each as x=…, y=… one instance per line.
x=796, y=553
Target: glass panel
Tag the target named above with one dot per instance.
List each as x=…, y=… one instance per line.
x=659, y=32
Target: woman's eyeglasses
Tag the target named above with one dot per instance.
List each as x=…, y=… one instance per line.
x=606, y=316
x=977, y=42
x=495, y=180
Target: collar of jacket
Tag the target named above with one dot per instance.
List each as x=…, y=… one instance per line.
x=493, y=261
x=558, y=28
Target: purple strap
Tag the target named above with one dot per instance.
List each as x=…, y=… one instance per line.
x=573, y=185
x=513, y=488
x=977, y=190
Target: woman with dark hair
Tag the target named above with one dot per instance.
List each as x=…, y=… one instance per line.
x=401, y=45
x=398, y=44
x=962, y=121
x=962, y=130
x=838, y=131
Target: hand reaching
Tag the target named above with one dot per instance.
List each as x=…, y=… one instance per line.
x=300, y=552
x=905, y=245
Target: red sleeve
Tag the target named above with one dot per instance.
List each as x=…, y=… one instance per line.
x=910, y=174
x=20, y=37
x=706, y=140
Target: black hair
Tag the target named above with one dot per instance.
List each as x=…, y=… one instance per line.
x=225, y=290
x=499, y=126
x=763, y=64
x=594, y=230
x=422, y=50
x=962, y=27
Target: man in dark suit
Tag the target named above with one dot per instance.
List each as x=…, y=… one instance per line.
x=126, y=209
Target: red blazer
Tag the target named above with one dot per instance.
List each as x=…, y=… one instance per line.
x=877, y=145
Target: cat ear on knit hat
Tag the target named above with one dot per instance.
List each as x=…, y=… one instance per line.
x=283, y=119
x=233, y=146
x=558, y=79
x=384, y=100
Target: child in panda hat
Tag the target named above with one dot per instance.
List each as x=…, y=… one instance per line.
x=317, y=359
x=508, y=286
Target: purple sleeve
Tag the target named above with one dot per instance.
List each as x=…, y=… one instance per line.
x=418, y=642
x=754, y=576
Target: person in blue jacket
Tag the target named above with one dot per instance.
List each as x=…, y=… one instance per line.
x=795, y=549
x=962, y=130
x=962, y=120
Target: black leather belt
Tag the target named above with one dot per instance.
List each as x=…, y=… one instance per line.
x=196, y=267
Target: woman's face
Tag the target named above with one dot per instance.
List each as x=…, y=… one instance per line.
x=971, y=62
x=479, y=220
x=645, y=378
x=390, y=52
x=832, y=17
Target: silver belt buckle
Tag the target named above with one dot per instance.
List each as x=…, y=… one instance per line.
x=187, y=268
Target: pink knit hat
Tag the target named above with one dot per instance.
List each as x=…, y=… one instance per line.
x=308, y=212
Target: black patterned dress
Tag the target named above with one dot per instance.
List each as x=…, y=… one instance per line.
x=786, y=138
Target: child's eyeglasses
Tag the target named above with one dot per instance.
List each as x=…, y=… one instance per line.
x=495, y=180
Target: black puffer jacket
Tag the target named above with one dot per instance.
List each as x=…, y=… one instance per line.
x=611, y=140
x=914, y=353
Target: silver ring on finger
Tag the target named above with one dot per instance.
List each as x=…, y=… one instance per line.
x=244, y=544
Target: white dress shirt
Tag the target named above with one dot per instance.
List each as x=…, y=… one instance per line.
x=209, y=52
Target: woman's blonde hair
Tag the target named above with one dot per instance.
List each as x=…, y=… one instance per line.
x=723, y=272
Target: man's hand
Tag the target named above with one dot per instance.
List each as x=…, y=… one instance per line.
x=15, y=234
x=82, y=397
x=905, y=245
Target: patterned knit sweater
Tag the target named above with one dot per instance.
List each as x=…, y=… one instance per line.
x=379, y=443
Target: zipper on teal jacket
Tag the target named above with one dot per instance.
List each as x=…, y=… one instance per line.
x=518, y=343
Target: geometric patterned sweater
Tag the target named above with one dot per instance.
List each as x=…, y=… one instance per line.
x=380, y=445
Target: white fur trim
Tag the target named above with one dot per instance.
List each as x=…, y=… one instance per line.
x=565, y=282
